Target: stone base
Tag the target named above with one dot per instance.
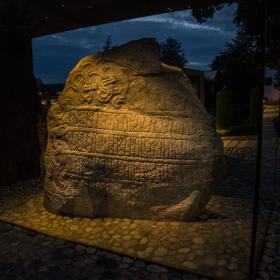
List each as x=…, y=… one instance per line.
x=185, y=210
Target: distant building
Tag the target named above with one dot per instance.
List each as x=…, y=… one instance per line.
x=210, y=75
x=271, y=93
x=198, y=81
x=48, y=92
x=52, y=91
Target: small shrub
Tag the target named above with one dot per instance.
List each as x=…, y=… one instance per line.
x=239, y=130
x=225, y=109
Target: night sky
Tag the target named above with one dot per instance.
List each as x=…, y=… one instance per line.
x=55, y=55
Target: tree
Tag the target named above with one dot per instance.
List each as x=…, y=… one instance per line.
x=172, y=53
x=252, y=17
x=203, y=14
x=107, y=44
x=240, y=64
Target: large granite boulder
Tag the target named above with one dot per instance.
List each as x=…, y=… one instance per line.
x=129, y=138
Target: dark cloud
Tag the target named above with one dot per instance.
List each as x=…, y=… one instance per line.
x=55, y=55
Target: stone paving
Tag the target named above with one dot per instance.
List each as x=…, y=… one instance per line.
x=216, y=245
x=28, y=255
x=269, y=266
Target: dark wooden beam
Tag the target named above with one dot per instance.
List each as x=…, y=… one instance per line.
x=43, y=17
x=20, y=108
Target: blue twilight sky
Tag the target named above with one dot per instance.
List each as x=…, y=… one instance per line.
x=55, y=55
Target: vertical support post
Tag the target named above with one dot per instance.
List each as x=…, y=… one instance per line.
x=254, y=236
x=20, y=107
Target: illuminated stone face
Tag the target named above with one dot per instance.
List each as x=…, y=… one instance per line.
x=129, y=138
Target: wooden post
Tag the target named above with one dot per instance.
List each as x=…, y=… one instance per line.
x=20, y=107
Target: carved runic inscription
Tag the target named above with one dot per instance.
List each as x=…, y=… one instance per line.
x=123, y=143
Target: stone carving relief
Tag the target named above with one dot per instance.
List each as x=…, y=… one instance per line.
x=129, y=138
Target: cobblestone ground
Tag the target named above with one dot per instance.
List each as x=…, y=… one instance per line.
x=28, y=255
x=269, y=267
x=216, y=245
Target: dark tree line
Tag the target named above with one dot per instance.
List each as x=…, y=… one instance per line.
x=239, y=64
x=251, y=18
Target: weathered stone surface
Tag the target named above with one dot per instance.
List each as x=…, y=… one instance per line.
x=129, y=138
